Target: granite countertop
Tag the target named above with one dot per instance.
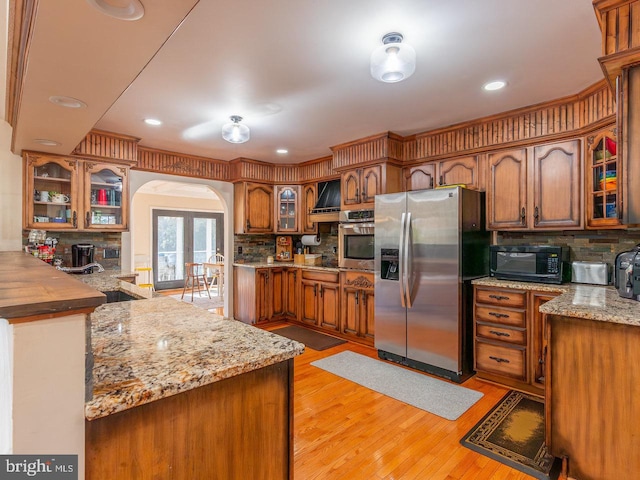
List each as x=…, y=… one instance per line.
x=109, y=281
x=147, y=350
x=286, y=264
x=590, y=302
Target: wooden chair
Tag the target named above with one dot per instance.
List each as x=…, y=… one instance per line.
x=215, y=271
x=194, y=275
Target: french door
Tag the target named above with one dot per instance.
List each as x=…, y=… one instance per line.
x=181, y=237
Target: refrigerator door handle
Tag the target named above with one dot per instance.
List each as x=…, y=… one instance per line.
x=401, y=255
x=408, y=260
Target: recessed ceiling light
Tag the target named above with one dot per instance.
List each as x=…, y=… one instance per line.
x=152, y=121
x=282, y=151
x=48, y=143
x=496, y=85
x=122, y=10
x=68, y=102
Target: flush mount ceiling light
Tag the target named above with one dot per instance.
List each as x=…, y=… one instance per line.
x=393, y=61
x=120, y=9
x=282, y=151
x=152, y=121
x=496, y=85
x=234, y=131
x=68, y=102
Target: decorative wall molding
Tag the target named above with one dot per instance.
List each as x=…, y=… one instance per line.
x=160, y=161
x=374, y=149
x=107, y=145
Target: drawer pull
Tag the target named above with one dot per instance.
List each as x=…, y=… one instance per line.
x=499, y=360
x=499, y=315
x=499, y=297
x=500, y=334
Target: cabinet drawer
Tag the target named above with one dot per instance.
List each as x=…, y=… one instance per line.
x=511, y=335
x=501, y=360
x=505, y=298
x=320, y=276
x=504, y=316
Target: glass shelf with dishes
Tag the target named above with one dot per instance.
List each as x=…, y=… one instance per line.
x=52, y=183
x=602, y=181
x=106, y=191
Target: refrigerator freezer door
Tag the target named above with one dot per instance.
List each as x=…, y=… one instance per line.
x=390, y=314
x=433, y=321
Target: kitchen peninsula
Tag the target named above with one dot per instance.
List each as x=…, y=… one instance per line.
x=178, y=392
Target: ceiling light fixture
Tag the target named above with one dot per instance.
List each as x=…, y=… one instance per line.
x=152, y=121
x=393, y=61
x=127, y=10
x=496, y=85
x=235, y=132
x=282, y=151
x=68, y=102
x=47, y=142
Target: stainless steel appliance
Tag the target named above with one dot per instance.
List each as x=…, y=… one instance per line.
x=531, y=263
x=356, y=239
x=627, y=273
x=429, y=245
x=594, y=273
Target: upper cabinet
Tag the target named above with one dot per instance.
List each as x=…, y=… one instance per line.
x=309, y=198
x=287, y=209
x=601, y=175
x=105, y=196
x=535, y=188
x=253, y=208
x=360, y=186
x=462, y=170
x=74, y=194
x=420, y=177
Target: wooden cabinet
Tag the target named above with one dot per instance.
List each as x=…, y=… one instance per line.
x=537, y=188
x=509, y=337
x=308, y=198
x=359, y=186
x=357, y=316
x=602, y=192
x=64, y=193
x=106, y=195
x=320, y=299
x=591, y=404
x=253, y=208
x=290, y=293
x=264, y=294
x=419, y=177
x=462, y=170
x=287, y=208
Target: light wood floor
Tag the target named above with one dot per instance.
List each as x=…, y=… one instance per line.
x=345, y=431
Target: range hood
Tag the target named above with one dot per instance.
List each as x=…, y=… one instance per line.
x=327, y=208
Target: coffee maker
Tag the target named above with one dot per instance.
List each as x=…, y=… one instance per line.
x=81, y=255
x=627, y=274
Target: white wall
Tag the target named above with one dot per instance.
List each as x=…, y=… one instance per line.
x=6, y=387
x=140, y=230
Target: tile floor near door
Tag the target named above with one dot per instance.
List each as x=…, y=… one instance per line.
x=345, y=431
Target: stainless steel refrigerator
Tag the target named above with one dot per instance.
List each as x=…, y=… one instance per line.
x=429, y=245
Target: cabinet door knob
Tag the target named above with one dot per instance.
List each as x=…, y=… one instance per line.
x=536, y=216
x=523, y=216
x=74, y=216
x=356, y=298
x=499, y=315
x=87, y=220
x=499, y=360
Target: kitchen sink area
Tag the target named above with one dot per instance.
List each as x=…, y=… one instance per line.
x=119, y=296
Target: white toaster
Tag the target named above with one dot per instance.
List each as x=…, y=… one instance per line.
x=596, y=273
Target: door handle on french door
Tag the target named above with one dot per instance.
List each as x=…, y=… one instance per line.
x=401, y=255
x=408, y=259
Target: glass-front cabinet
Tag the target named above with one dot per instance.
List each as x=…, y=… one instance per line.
x=51, y=193
x=287, y=199
x=66, y=193
x=105, y=195
x=603, y=169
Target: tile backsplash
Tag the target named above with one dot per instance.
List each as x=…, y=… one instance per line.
x=586, y=246
x=101, y=240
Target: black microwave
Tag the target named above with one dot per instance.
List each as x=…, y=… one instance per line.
x=530, y=263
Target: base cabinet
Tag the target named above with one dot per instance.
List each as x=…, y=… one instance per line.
x=264, y=294
x=509, y=343
x=357, y=317
x=320, y=299
x=591, y=401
